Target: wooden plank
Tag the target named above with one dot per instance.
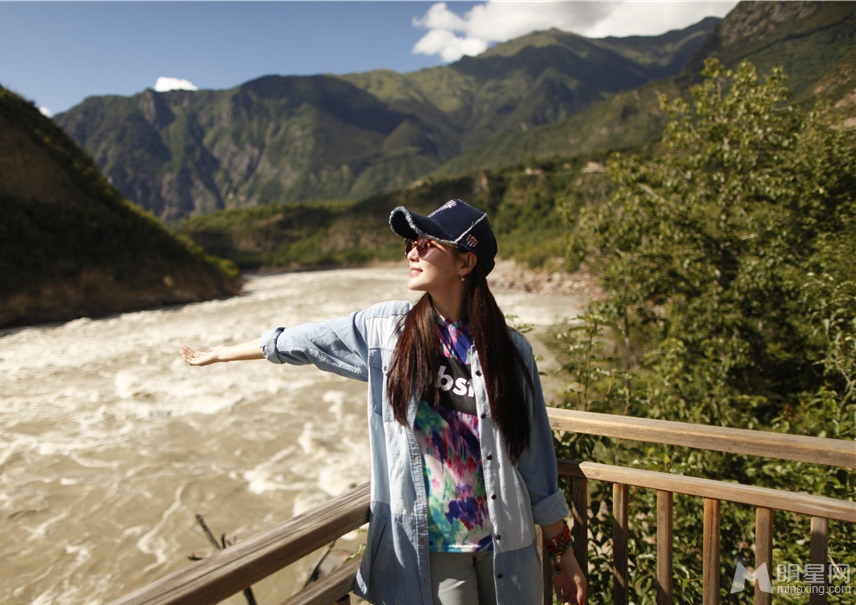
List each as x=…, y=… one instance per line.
x=814, y=450
x=329, y=588
x=665, y=535
x=806, y=504
x=710, y=553
x=579, y=529
x=620, y=531
x=763, y=551
x=229, y=571
x=546, y=568
x=817, y=559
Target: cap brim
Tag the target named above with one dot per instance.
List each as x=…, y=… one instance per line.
x=410, y=225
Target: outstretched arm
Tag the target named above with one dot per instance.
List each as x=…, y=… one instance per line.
x=241, y=352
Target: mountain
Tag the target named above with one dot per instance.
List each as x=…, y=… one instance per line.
x=284, y=138
x=71, y=246
x=815, y=42
x=804, y=37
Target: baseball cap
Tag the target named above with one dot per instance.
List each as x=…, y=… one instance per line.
x=455, y=223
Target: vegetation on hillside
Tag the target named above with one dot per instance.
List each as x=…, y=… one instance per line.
x=727, y=260
x=535, y=198
x=71, y=246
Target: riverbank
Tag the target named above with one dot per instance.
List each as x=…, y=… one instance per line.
x=514, y=276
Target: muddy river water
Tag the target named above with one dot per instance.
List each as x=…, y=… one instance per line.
x=110, y=444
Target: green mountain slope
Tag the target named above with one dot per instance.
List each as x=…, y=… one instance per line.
x=281, y=139
x=530, y=180
x=70, y=246
x=813, y=41
x=804, y=37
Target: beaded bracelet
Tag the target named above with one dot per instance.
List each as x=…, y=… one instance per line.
x=559, y=545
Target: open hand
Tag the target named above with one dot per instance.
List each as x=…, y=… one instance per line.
x=568, y=580
x=200, y=358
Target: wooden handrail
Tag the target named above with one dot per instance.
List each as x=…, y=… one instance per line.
x=229, y=571
x=800, y=448
x=330, y=587
x=795, y=502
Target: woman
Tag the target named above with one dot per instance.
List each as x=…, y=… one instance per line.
x=463, y=464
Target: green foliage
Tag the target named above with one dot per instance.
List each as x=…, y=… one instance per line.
x=727, y=258
x=529, y=207
x=710, y=241
x=71, y=246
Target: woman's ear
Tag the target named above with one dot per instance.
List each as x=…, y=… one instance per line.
x=468, y=262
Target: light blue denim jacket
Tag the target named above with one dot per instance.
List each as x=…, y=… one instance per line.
x=395, y=566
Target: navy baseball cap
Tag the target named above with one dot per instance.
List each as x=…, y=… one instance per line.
x=455, y=223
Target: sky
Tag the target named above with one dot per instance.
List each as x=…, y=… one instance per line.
x=57, y=53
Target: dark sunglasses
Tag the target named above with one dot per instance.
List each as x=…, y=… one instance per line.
x=421, y=245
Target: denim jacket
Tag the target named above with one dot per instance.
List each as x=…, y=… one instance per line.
x=395, y=566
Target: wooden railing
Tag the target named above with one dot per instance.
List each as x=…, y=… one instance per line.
x=813, y=450
x=230, y=571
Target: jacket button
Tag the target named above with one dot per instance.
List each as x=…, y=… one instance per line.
x=493, y=497
x=489, y=457
x=499, y=576
x=498, y=537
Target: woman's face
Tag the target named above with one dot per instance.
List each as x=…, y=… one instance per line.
x=434, y=268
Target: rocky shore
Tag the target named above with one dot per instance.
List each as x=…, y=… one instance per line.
x=514, y=276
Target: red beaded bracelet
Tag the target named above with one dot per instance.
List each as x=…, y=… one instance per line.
x=559, y=545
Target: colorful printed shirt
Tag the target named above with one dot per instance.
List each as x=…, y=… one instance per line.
x=448, y=435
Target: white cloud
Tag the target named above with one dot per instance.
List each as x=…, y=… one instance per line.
x=452, y=36
x=46, y=112
x=164, y=84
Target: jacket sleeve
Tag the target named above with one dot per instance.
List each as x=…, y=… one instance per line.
x=537, y=464
x=336, y=345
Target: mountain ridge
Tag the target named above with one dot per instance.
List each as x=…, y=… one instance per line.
x=280, y=139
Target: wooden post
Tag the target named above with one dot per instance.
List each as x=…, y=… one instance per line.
x=817, y=558
x=546, y=569
x=579, y=510
x=620, y=588
x=665, y=535
x=763, y=551
x=710, y=553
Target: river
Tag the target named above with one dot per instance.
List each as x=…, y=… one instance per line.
x=110, y=444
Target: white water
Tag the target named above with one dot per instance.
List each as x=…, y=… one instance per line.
x=110, y=444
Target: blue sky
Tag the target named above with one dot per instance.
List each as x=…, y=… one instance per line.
x=58, y=53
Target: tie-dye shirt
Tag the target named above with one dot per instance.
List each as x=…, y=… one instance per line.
x=448, y=435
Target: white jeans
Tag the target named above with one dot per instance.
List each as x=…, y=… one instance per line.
x=463, y=578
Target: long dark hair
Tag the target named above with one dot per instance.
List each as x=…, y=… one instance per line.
x=415, y=362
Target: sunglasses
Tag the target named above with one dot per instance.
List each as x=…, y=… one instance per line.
x=422, y=244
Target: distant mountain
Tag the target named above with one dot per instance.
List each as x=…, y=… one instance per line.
x=285, y=138
x=804, y=37
x=814, y=41
x=70, y=246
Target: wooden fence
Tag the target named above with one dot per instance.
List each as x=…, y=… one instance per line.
x=230, y=571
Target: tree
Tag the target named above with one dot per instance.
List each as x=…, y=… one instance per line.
x=709, y=242
x=727, y=257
